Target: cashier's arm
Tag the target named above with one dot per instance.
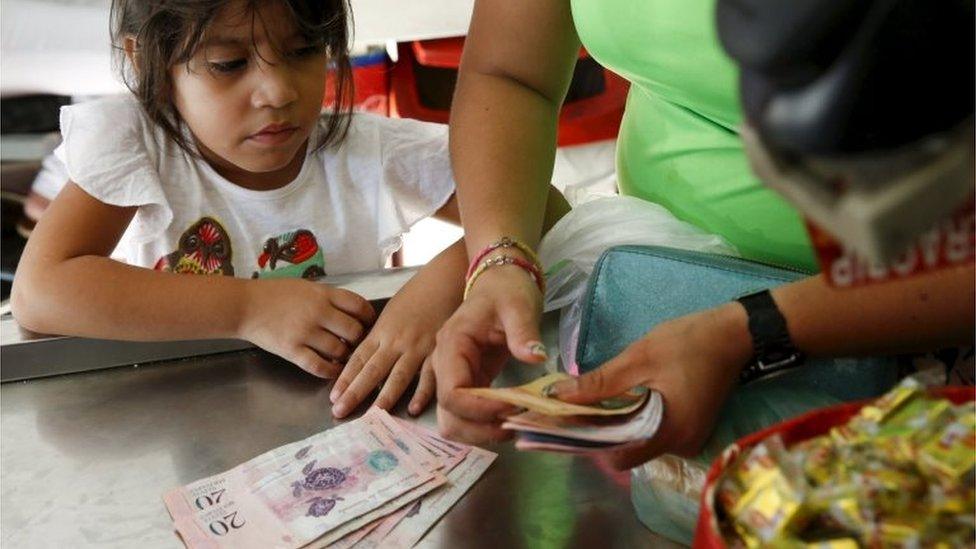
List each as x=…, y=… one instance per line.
x=66, y=284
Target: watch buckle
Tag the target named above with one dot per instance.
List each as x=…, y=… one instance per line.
x=768, y=367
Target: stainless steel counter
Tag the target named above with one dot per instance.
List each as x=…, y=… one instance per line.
x=87, y=456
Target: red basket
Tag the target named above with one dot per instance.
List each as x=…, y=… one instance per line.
x=800, y=428
x=429, y=68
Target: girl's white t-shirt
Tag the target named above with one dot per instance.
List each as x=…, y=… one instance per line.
x=344, y=212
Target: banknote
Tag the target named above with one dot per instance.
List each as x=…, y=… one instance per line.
x=535, y=396
x=383, y=510
x=547, y=443
x=298, y=493
x=425, y=512
x=405, y=439
x=375, y=481
x=642, y=424
x=352, y=538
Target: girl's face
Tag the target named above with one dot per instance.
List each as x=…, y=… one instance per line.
x=251, y=94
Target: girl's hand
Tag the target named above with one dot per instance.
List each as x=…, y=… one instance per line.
x=693, y=361
x=396, y=349
x=499, y=319
x=310, y=324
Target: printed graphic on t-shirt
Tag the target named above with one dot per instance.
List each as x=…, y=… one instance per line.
x=204, y=248
x=291, y=255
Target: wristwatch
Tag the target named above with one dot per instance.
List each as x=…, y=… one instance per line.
x=771, y=343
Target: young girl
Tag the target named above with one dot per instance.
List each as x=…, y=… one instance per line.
x=221, y=163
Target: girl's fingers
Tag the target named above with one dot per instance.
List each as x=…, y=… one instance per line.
x=399, y=379
x=354, y=365
x=343, y=325
x=425, y=389
x=372, y=374
x=328, y=345
x=353, y=304
x=309, y=360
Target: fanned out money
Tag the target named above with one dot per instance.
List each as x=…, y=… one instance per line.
x=378, y=480
x=553, y=425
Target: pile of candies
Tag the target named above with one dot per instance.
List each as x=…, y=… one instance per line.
x=898, y=474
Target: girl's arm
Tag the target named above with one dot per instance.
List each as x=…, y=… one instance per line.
x=66, y=284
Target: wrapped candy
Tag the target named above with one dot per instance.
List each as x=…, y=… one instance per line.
x=899, y=474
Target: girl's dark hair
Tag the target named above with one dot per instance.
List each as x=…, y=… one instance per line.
x=169, y=32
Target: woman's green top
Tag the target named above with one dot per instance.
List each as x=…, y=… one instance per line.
x=678, y=144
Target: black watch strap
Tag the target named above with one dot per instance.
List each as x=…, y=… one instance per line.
x=771, y=343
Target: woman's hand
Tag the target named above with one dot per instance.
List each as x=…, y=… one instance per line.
x=310, y=324
x=500, y=318
x=693, y=361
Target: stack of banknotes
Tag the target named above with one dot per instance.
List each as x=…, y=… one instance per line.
x=375, y=481
x=553, y=425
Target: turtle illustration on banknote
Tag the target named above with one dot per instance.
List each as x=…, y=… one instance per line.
x=321, y=506
x=323, y=478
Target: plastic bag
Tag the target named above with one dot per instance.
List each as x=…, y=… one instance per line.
x=574, y=244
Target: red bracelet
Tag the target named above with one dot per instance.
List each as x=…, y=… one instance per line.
x=503, y=242
x=531, y=268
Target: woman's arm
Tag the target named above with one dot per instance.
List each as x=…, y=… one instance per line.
x=694, y=361
x=916, y=314
x=517, y=65
x=66, y=284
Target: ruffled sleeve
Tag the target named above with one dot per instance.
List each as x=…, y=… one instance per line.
x=110, y=149
x=416, y=177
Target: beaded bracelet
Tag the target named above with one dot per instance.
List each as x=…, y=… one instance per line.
x=530, y=268
x=503, y=242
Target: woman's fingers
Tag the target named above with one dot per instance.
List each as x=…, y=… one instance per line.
x=473, y=432
x=521, y=325
x=426, y=386
x=372, y=374
x=621, y=374
x=635, y=453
